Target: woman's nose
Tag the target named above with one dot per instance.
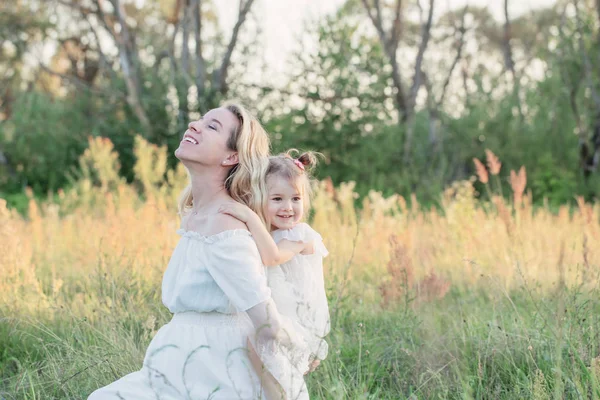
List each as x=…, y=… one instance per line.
x=194, y=126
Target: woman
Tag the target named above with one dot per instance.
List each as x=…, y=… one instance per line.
x=215, y=283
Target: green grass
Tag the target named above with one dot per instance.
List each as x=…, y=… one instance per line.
x=480, y=343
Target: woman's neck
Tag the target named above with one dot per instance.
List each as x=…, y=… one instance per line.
x=206, y=188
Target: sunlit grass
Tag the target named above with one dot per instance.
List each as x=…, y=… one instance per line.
x=479, y=299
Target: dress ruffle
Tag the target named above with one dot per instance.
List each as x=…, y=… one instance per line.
x=213, y=238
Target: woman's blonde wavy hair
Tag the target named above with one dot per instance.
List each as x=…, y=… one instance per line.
x=245, y=181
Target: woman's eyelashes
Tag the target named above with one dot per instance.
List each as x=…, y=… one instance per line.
x=211, y=125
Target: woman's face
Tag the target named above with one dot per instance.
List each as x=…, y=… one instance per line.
x=205, y=140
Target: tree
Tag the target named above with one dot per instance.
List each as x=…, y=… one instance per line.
x=21, y=24
x=405, y=98
x=126, y=67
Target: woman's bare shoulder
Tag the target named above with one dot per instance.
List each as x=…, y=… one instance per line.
x=211, y=224
x=224, y=222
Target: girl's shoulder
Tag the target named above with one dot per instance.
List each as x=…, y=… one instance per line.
x=306, y=231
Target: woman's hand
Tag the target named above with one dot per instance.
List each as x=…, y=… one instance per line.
x=237, y=210
x=272, y=388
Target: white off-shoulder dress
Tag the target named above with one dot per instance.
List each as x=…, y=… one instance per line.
x=298, y=289
x=202, y=352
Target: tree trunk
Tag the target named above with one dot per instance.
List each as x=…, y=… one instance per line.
x=417, y=82
x=220, y=76
x=598, y=9
x=184, y=79
x=200, y=65
x=129, y=62
x=509, y=62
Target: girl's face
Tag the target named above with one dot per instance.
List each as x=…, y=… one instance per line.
x=284, y=205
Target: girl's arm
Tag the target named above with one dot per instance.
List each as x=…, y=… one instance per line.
x=272, y=254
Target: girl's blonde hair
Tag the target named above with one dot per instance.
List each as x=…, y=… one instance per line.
x=244, y=182
x=297, y=170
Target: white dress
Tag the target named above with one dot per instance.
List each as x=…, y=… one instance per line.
x=298, y=289
x=202, y=352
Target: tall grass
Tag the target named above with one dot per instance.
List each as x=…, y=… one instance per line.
x=484, y=298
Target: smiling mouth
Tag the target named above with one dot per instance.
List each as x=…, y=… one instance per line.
x=189, y=139
x=285, y=216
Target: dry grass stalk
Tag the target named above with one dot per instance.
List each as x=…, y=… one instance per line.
x=331, y=191
x=586, y=258
x=586, y=211
x=402, y=204
x=432, y=287
x=540, y=391
x=329, y=187
x=518, y=183
x=595, y=368
x=504, y=213
x=131, y=239
x=493, y=162
x=561, y=266
x=401, y=273
x=414, y=204
x=482, y=173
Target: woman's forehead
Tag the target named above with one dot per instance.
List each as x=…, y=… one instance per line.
x=223, y=116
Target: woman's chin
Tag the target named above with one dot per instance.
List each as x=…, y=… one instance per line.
x=190, y=161
x=182, y=154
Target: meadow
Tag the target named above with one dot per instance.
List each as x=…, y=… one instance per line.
x=484, y=297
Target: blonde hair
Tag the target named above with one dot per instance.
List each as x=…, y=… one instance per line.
x=244, y=182
x=288, y=167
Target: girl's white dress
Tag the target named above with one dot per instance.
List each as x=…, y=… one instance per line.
x=298, y=289
x=202, y=352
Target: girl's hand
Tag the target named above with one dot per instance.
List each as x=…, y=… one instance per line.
x=237, y=210
x=309, y=248
x=313, y=366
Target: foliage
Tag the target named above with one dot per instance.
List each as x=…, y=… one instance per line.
x=338, y=98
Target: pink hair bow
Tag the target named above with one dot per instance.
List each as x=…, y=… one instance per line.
x=299, y=164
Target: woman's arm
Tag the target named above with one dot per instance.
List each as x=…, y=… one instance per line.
x=272, y=388
x=271, y=253
x=270, y=336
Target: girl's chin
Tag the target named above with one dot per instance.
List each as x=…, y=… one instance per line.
x=283, y=225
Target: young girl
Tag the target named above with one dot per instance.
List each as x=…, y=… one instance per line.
x=292, y=249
